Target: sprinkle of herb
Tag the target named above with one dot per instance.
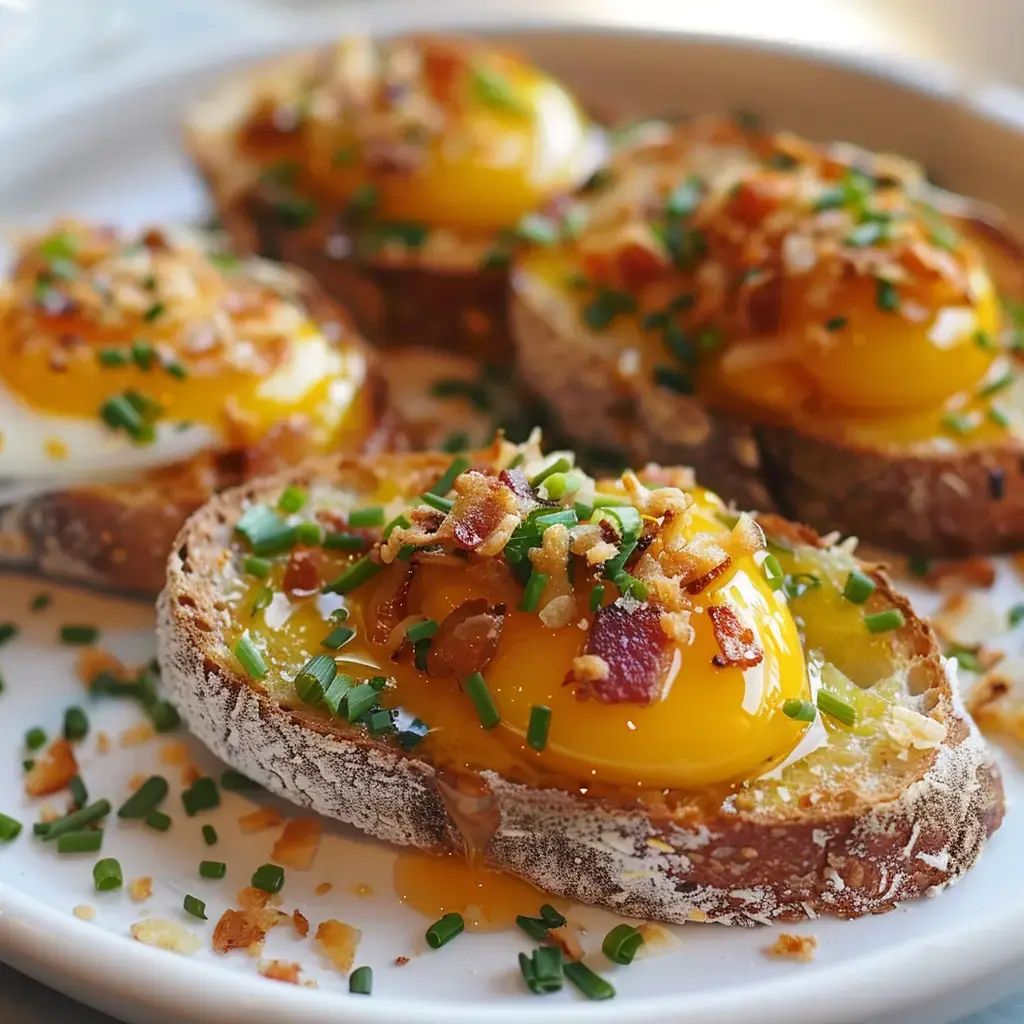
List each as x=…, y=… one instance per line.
x=457, y=468
x=436, y=501
x=268, y=878
x=314, y=679
x=958, y=423
x=998, y=417
x=158, y=820
x=10, y=828
x=799, y=710
x=145, y=799
x=106, y=875
x=360, y=982
x=538, y=229
x=456, y=441
x=866, y=234
x=476, y=687
x=112, y=357
x=176, y=370
x=76, y=724
x=859, y=587
x=35, y=738
x=236, y=782
x=563, y=517
x=78, y=635
x=266, y=532
x=79, y=794
x=558, y=485
x=993, y=387
x=295, y=211
x=363, y=200
x=359, y=700
x=605, y=307
x=143, y=354
x=379, y=722
x=535, y=927
x=195, y=907
x=258, y=567
x=710, y=339
x=292, y=499
x=984, y=341
x=250, y=657
x=444, y=930
x=202, y=795
x=1016, y=615
x=340, y=541
x=533, y=590
x=412, y=735
x=337, y=638
x=621, y=944
x=540, y=723
x=919, y=565
x=60, y=246
x=965, y=658
x=797, y=584
x=884, y=622
x=422, y=630
x=492, y=88
x=209, y=835
x=366, y=517
x=77, y=819
x=674, y=379
x=358, y=573
x=212, y=869
x=684, y=199
x=164, y=716
x=773, y=574
x=592, y=985
x=88, y=841
x=542, y=971
x=41, y=601
x=596, y=597
x=8, y=631
x=837, y=708
x=837, y=323
x=154, y=312
x=887, y=298
x=560, y=465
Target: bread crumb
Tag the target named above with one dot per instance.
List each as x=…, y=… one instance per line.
x=361, y=889
x=657, y=939
x=257, y=821
x=281, y=970
x=800, y=948
x=102, y=743
x=298, y=844
x=339, y=941
x=174, y=753
x=189, y=774
x=84, y=912
x=908, y=728
x=590, y=668
x=166, y=934
x=137, y=734
x=301, y=924
x=53, y=771
x=251, y=898
x=567, y=940
x=48, y=813
x=323, y=888
x=401, y=961
x=140, y=888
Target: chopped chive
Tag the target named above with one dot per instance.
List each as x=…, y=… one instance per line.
x=262, y=599
x=799, y=710
x=106, y=875
x=621, y=944
x=563, y=517
x=35, y=738
x=145, y=799
x=358, y=700
x=360, y=982
x=919, y=565
x=194, y=906
x=533, y=590
x=538, y=228
x=492, y=88
x=836, y=707
x=998, y=417
x=8, y=631
x=78, y=635
x=79, y=794
x=10, y=828
x=542, y=971
x=837, y=323
x=266, y=532
x=887, y=298
x=337, y=638
x=158, y=820
x=249, y=655
x=436, y=501
x=884, y=622
x=176, y=370
x=583, y=511
x=209, y=835
x=143, y=354
x=592, y=985
x=358, y=573
x=315, y=678
x=88, y=841
x=473, y=392
x=379, y=722
x=422, y=630
x=412, y=735
x=236, y=782
x=444, y=930
x=495, y=259
x=256, y=566
x=773, y=573
x=41, y=601
x=674, y=379
x=596, y=597
x=965, y=658
x=202, y=795
x=212, y=869
x=337, y=692
x=77, y=819
x=958, y=423
x=366, y=516
x=540, y=722
x=111, y=357
x=859, y=587
x=1001, y=383
x=476, y=687
x=551, y=917
x=292, y=499
x=560, y=465
x=310, y=534
x=535, y=927
x=560, y=484
x=164, y=716
x=340, y=541
x=268, y=877
x=154, y=312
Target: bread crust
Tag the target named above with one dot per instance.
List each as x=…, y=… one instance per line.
x=939, y=504
x=685, y=858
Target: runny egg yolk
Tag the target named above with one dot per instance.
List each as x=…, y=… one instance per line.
x=513, y=137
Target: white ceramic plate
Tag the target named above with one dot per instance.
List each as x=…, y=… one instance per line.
x=112, y=153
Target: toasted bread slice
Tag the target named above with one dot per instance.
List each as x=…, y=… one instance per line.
x=815, y=329
x=111, y=528
x=435, y=273
x=846, y=820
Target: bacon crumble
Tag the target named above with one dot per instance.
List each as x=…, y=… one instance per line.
x=737, y=642
x=466, y=640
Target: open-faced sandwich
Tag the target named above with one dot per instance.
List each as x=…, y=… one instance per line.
x=400, y=172
x=616, y=689
x=816, y=328
x=142, y=372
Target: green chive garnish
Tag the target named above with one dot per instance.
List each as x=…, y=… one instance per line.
x=773, y=573
x=338, y=541
x=209, y=835
x=88, y=841
x=998, y=417
x=1016, y=615
x=444, y=930
x=176, y=370
x=884, y=622
x=492, y=88
x=538, y=228
x=158, y=820
x=77, y=819
x=337, y=638
x=836, y=707
x=535, y=927
x=679, y=381
x=79, y=794
x=959, y=423
x=540, y=722
x=268, y=877
x=154, y=312
x=145, y=799
x=202, y=795
x=261, y=599
x=310, y=534
x=534, y=588
x=249, y=655
x=41, y=601
x=143, y=354
x=10, y=828
x=195, y=907
x=560, y=465
x=112, y=357
x=236, y=782
x=422, y=630
x=78, y=635
x=621, y=944
x=164, y=716
x=799, y=710
x=563, y=517
x=886, y=297
x=542, y=971
x=106, y=875
x=358, y=573
x=366, y=516
x=859, y=587
x=256, y=566
x=837, y=323
x=315, y=678
x=596, y=597
x=993, y=387
x=360, y=982
x=266, y=532
x=476, y=687
x=292, y=499
x=436, y=501
x=592, y=985
x=8, y=631
x=212, y=868
x=76, y=725
x=338, y=691
x=358, y=700
x=35, y=738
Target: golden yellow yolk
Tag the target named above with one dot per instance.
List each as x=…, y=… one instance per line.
x=488, y=168
x=712, y=725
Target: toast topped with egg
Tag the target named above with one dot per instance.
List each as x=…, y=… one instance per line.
x=816, y=329
x=142, y=373
x=618, y=690
x=396, y=171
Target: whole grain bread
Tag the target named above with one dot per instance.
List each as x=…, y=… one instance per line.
x=786, y=846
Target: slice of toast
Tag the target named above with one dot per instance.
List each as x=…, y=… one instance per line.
x=709, y=358
x=852, y=822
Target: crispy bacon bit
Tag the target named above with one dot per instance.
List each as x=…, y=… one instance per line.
x=339, y=942
x=736, y=642
x=298, y=844
x=281, y=970
x=467, y=639
x=257, y=821
x=245, y=929
x=401, y=961
x=53, y=771
x=702, y=582
x=174, y=753
x=635, y=650
x=301, y=575
x=135, y=735
x=481, y=508
x=515, y=480
x=793, y=947
x=393, y=609
x=252, y=898
x=301, y=923
x=567, y=940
